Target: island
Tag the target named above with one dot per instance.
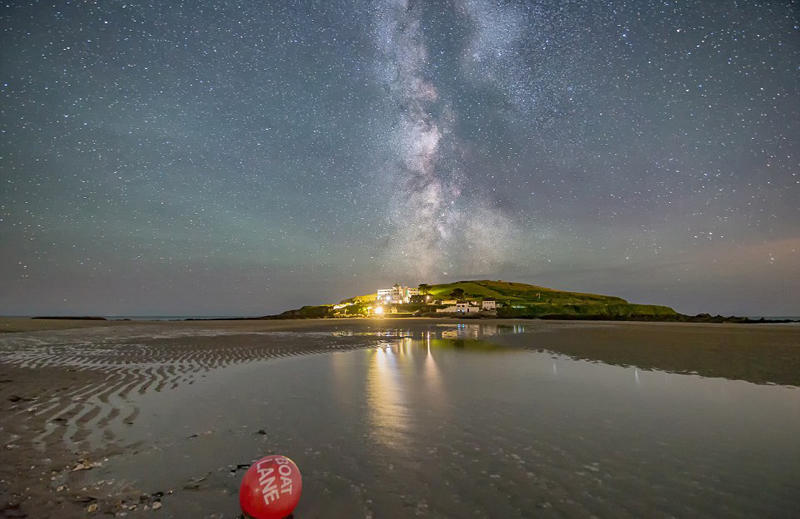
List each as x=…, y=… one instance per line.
x=485, y=298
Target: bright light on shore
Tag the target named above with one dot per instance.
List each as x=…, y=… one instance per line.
x=378, y=310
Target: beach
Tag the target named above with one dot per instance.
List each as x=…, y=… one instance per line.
x=146, y=417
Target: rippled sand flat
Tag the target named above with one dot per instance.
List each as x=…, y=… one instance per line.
x=102, y=367
x=65, y=391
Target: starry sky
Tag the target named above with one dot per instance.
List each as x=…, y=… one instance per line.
x=246, y=157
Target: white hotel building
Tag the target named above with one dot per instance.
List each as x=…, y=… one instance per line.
x=396, y=294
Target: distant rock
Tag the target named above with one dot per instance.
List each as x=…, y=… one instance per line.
x=72, y=317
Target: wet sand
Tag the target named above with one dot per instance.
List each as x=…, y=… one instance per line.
x=71, y=392
x=762, y=354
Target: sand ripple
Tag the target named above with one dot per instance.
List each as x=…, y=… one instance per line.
x=109, y=367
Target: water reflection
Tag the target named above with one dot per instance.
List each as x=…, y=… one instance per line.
x=433, y=377
x=408, y=360
x=345, y=383
x=388, y=411
x=436, y=331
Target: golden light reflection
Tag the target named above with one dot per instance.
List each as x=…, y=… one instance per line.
x=388, y=410
x=475, y=331
x=344, y=378
x=411, y=368
x=433, y=376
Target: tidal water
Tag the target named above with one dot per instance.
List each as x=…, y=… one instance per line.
x=444, y=421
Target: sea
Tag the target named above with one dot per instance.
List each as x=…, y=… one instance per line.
x=795, y=318
x=170, y=317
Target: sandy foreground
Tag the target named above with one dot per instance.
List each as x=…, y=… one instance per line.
x=55, y=403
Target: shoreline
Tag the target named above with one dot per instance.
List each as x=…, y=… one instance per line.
x=35, y=324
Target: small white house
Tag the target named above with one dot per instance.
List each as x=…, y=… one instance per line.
x=467, y=307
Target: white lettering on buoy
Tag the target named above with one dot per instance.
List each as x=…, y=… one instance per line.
x=267, y=482
x=263, y=473
x=267, y=477
x=285, y=471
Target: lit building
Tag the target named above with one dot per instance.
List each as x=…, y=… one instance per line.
x=397, y=294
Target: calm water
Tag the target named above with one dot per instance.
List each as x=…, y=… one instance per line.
x=434, y=423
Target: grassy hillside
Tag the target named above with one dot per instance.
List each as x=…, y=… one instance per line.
x=523, y=300
x=368, y=298
x=578, y=310
x=517, y=292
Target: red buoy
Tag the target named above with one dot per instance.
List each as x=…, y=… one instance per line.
x=270, y=488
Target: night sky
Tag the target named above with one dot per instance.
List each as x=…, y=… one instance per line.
x=246, y=157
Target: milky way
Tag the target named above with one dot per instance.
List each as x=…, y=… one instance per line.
x=422, y=197
x=434, y=227
x=242, y=158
